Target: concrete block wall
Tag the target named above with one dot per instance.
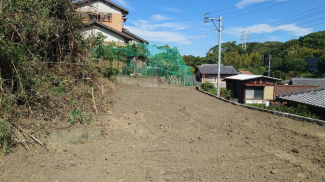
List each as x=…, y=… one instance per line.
x=150, y=81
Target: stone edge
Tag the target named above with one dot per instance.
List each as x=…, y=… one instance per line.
x=281, y=114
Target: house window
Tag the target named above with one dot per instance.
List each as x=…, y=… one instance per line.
x=210, y=79
x=254, y=92
x=107, y=17
x=98, y=17
x=83, y=15
x=104, y=17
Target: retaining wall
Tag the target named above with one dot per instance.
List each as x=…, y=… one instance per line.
x=150, y=81
x=74, y=135
x=281, y=114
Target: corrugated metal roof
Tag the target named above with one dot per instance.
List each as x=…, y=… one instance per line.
x=248, y=77
x=314, y=97
x=213, y=69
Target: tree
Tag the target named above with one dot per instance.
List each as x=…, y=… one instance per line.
x=313, y=40
x=300, y=64
x=189, y=60
x=291, y=63
x=276, y=63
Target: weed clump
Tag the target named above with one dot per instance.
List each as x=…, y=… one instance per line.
x=6, y=132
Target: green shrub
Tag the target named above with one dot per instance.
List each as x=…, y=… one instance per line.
x=300, y=110
x=225, y=93
x=6, y=132
x=76, y=115
x=111, y=74
x=209, y=87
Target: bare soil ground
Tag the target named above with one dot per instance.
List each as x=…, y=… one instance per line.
x=179, y=135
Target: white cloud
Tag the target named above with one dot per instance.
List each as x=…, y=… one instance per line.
x=160, y=32
x=149, y=25
x=123, y=3
x=266, y=28
x=159, y=36
x=172, y=9
x=159, y=17
x=244, y=3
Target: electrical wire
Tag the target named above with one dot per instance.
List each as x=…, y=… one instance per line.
x=258, y=10
x=246, y=8
x=277, y=33
x=256, y=1
x=293, y=20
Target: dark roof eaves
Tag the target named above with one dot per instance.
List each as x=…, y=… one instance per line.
x=135, y=36
x=109, y=28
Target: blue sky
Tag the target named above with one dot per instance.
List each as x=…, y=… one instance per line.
x=181, y=22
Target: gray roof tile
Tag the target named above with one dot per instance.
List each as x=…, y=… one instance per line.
x=213, y=69
x=313, y=97
x=306, y=81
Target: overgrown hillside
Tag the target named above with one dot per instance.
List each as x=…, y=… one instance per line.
x=287, y=59
x=48, y=79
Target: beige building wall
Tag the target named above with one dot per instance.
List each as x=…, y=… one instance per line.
x=116, y=22
x=268, y=92
x=204, y=80
x=99, y=7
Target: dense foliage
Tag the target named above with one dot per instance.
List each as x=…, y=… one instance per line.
x=209, y=87
x=287, y=59
x=43, y=57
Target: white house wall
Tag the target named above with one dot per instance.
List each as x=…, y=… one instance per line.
x=110, y=35
x=100, y=7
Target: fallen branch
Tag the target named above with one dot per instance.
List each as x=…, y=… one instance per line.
x=31, y=136
x=92, y=93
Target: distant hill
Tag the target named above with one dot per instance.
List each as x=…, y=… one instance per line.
x=287, y=57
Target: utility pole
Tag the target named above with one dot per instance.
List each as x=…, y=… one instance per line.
x=293, y=36
x=207, y=19
x=269, y=71
x=245, y=36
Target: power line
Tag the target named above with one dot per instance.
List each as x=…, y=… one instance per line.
x=303, y=23
x=259, y=9
x=290, y=21
x=235, y=7
x=277, y=33
x=301, y=14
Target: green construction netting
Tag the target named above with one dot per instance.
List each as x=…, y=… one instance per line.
x=150, y=60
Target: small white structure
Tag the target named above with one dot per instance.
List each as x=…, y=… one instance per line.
x=252, y=89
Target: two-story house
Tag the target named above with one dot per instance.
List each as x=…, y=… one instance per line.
x=108, y=18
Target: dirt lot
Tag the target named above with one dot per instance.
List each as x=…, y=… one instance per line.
x=179, y=135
